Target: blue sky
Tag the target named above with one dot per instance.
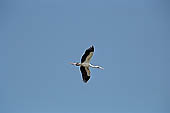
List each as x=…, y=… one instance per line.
x=39, y=37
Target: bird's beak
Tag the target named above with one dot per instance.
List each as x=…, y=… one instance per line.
x=71, y=63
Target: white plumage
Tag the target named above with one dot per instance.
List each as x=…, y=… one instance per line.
x=85, y=64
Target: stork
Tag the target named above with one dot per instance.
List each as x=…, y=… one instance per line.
x=85, y=64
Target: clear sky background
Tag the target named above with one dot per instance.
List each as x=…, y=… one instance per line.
x=39, y=37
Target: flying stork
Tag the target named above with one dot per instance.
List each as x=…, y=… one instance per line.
x=85, y=64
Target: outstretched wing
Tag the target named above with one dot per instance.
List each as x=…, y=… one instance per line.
x=87, y=55
x=85, y=73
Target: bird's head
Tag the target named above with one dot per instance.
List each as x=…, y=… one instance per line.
x=76, y=64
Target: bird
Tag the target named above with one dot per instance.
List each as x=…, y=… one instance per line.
x=85, y=64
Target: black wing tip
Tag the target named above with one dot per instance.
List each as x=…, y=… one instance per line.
x=92, y=48
x=85, y=77
x=85, y=81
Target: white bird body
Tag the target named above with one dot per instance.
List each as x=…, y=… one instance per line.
x=85, y=64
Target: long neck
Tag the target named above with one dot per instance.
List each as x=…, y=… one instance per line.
x=76, y=64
